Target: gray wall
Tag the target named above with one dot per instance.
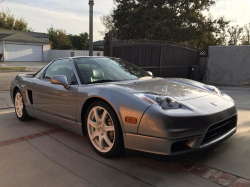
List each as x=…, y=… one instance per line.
x=203, y=65
x=229, y=65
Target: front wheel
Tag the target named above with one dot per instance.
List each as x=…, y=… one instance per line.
x=20, y=109
x=104, y=130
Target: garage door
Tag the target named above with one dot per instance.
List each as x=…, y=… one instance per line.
x=16, y=52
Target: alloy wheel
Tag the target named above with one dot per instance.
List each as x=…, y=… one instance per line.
x=101, y=129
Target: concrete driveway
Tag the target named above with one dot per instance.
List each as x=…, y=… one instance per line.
x=6, y=77
x=36, y=153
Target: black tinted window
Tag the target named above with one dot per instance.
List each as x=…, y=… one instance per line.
x=90, y=72
x=120, y=69
x=93, y=70
x=60, y=67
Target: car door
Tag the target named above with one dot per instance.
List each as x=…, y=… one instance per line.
x=54, y=102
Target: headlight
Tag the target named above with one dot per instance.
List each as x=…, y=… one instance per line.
x=162, y=102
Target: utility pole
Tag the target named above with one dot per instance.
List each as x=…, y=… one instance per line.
x=91, y=5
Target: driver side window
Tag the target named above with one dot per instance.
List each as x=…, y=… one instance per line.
x=61, y=67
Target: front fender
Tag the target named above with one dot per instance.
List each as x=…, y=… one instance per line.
x=22, y=82
x=123, y=103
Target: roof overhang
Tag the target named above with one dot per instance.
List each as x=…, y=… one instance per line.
x=23, y=43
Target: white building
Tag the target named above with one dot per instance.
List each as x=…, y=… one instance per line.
x=24, y=46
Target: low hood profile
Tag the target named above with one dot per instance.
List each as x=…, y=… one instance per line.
x=180, y=89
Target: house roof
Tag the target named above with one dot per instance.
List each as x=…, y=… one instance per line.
x=34, y=34
x=101, y=42
x=98, y=43
x=21, y=37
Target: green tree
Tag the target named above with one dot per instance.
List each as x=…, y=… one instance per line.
x=59, y=38
x=179, y=21
x=235, y=33
x=246, y=35
x=9, y=21
x=108, y=23
x=79, y=42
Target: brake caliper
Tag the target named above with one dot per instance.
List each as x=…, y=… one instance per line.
x=111, y=133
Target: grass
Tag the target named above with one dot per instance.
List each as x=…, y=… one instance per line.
x=12, y=68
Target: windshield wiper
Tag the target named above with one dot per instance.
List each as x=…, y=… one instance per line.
x=101, y=81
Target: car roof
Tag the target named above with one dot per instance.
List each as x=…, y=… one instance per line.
x=89, y=57
x=82, y=57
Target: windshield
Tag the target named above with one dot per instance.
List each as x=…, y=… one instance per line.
x=96, y=70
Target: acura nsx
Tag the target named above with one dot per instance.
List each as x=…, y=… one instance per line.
x=119, y=106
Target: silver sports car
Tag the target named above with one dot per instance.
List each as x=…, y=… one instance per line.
x=119, y=106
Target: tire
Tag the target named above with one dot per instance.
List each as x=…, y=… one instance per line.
x=20, y=108
x=104, y=133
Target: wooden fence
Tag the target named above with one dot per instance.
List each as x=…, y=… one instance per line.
x=163, y=59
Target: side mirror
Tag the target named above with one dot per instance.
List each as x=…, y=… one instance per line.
x=150, y=73
x=60, y=79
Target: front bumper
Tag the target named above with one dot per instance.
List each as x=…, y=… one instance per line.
x=162, y=146
x=172, y=156
x=181, y=134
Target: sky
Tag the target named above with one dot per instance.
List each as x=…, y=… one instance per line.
x=72, y=15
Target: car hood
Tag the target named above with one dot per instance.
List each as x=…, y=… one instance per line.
x=180, y=89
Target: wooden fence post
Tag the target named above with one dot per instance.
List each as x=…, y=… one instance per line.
x=105, y=45
x=110, y=44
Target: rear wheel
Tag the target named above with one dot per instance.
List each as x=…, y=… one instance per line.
x=20, y=109
x=104, y=131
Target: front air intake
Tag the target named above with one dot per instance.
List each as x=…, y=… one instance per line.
x=30, y=97
x=219, y=129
